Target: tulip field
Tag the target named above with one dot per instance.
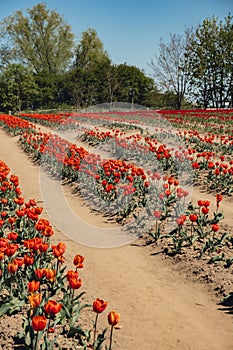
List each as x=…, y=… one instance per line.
x=32, y=275
x=137, y=169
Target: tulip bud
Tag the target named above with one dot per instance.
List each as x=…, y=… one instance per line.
x=113, y=318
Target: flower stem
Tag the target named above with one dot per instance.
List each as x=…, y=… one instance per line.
x=95, y=328
x=111, y=333
x=36, y=341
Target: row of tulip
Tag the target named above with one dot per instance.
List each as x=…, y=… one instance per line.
x=216, y=121
x=117, y=179
x=34, y=280
x=220, y=172
x=125, y=188
x=90, y=171
x=201, y=230
x=15, y=124
x=203, y=152
x=198, y=229
x=141, y=149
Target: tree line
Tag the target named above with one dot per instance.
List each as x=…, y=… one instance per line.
x=41, y=66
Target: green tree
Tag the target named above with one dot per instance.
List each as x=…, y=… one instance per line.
x=50, y=89
x=17, y=88
x=133, y=85
x=40, y=38
x=170, y=68
x=90, y=72
x=210, y=55
x=90, y=51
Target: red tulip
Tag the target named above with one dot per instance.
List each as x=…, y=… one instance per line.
x=99, y=305
x=52, y=307
x=39, y=323
x=33, y=286
x=78, y=261
x=193, y=217
x=215, y=227
x=75, y=283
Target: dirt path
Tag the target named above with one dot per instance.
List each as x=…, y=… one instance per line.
x=159, y=308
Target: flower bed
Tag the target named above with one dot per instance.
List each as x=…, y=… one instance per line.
x=34, y=281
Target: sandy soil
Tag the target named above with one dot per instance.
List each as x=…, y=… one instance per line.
x=160, y=307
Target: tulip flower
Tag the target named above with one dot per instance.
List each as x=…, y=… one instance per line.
x=11, y=249
x=39, y=323
x=157, y=214
x=35, y=299
x=75, y=283
x=215, y=227
x=12, y=236
x=71, y=274
x=193, y=217
x=99, y=305
x=113, y=320
x=205, y=210
x=219, y=198
x=12, y=267
x=52, y=307
x=39, y=273
x=50, y=274
x=28, y=260
x=180, y=220
x=78, y=261
x=33, y=286
x=19, y=261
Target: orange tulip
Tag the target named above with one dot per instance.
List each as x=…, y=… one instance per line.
x=39, y=273
x=50, y=274
x=71, y=274
x=12, y=236
x=28, y=260
x=75, y=283
x=48, y=231
x=33, y=286
x=78, y=261
x=3, y=242
x=99, y=305
x=1, y=254
x=52, y=307
x=58, y=250
x=35, y=299
x=43, y=247
x=219, y=198
x=39, y=323
x=18, y=261
x=113, y=318
x=11, y=249
x=12, y=267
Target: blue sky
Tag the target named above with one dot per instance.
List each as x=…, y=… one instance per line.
x=130, y=30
